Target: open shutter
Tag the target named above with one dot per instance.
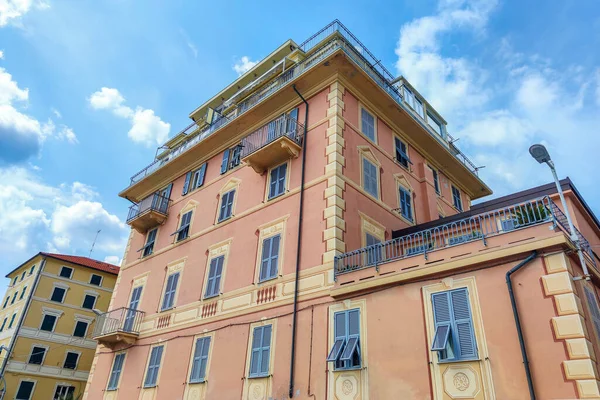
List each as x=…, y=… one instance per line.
x=264, y=265
x=202, y=174
x=292, y=122
x=225, y=162
x=256, y=351
x=274, y=180
x=167, y=191
x=266, y=350
x=274, y=256
x=465, y=337
x=186, y=185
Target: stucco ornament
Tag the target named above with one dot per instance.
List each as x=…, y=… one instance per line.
x=194, y=394
x=346, y=387
x=257, y=390
x=461, y=381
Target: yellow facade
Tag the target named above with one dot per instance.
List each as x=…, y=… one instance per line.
x=53, y=319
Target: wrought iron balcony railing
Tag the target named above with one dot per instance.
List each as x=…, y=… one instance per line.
x=284, y=126
x=119, y=321
x=342, y=40
x=477, y=227
x=154, y=202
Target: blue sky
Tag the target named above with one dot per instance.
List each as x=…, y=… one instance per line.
x=89, y=89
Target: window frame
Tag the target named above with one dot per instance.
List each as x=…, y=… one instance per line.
x=155, y=367
x=27, y=380
x=23, y=275
x=39, y=346
x=3, y=324
x=436, y=180
x=401, y=156
x=456, y=196
x=6, y=301
x=62, y=268
x=410, y=94
x=85, y=331
x=183, y=228
x=364, y=177
x=436, y=120
x=336, y=358
x=216, y=287
x=196, y=360
x=110, y=387
x=149, y=244
x=268, y=276
x=92, y=277
x=230, y=194
x=12, y=320
x=85, y=296
x=362, y=109
x=260, y=350
x=44, y=315
x=23, y=292
x=77, y=353
x=285, y=179
x=405, y=196
x=170, y=292
x=14, y=298
x=59, y=386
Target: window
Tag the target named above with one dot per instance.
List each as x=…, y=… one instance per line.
x=58, y=294
x=270, y=258
x=345, y=353
x=66, y=272
x=12, y=320
x=454, y=338
x=149, y=246
x=226, y=205
x=3, y=324
x=194, y=179
x=14, y=298
x=277, y=181
x=170, y=290
x=31, y=270
x=370, y=183
x=37, y=355
x=6, y=301
x=261, y=350
x=80, y=329
x=48, y=323
x=71, y=360
x=413, y=101
x=213, y=283
x=433, y=123
x=367, y=123
x=23, y=293
x=23, y=275
x=25, y=390
x=89, y=301
x=115, y=373
x=406, y=203
x=231, y=158
x=373, y=253
x=436, y=180
x=200, y=360
x=130, y=316
x=15, y=281
x=456, y=198
x=184, y=227
x=153, y=367
x=508, y=224
x=63, y=392
x=402, y=153
x=593, y=306
x=96, y=280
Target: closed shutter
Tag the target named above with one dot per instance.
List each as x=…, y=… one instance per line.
x=200, y=360
x=153, y=366
x=116, y=371
x=225, y=162
x=292, y=123
x=464, y=324
x=213, y=283
x=270, y=258
x=186, y=185
x=170, y=291
x=593, y=306
x=202, y=175
x=261, y=349
x=370, y=177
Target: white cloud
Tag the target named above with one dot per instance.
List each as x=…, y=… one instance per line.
x=64, y=218
x=529, y=99
x=189, y=43
x=244, y=65
x=1, y=55
x=146, y=127
x=115, y=260
x=11, y=11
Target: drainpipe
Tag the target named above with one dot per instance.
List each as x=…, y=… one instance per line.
x=295, y=313
x=518, y=321
x=20, y=323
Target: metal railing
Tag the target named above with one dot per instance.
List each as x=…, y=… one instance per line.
x=282, y=126
x=126, y=320
x=154, y=202
x=339, y=38
x=477, y=227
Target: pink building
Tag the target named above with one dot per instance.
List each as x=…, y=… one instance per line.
x=311, y=235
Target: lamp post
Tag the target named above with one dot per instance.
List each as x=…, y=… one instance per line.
x=541, y=155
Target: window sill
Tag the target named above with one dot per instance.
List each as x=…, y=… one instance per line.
x=347, y=369
x=196, y=382
x=212, y=296
x=182, y=239
x=454, y=361
x=259, y=376
x=111, y=389
x=149, y=386
x=224, y=219
x=167, y=309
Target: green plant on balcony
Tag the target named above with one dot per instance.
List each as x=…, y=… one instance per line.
x=530, y=214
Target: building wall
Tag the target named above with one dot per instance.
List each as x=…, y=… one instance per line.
x=61, y=340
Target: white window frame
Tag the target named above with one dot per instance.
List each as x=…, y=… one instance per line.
x=101, y=279
x=43, y=346
x=70, y=275
x=32, y=389
x=52, y=312
x=76, y=363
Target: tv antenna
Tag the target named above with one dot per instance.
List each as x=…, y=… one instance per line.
x=92, y=248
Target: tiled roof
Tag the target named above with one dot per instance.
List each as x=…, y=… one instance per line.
x=86, y=262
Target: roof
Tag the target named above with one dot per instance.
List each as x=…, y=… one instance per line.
x=501, y=202
x=79, y=260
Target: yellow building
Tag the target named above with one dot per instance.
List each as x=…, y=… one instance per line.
x=46, y=322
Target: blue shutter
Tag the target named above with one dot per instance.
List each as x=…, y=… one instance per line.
x=167, y=191
x=370, y=177
x=202, y=175
x=225, y=162
x=406, y=203
x=186, y=185
x=261, y=349
x=200, y=360
x=281, y=179
x=273, y=184
x=270, y=258
x=229, y=209
x=464, y=335
x=153, y=366
x=293, y=122
x=169, y=298
x=213, y=283
x=116, y=371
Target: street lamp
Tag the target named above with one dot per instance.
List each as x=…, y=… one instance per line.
x=541, y=155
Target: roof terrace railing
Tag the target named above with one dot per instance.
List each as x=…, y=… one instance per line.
x=340, y=38
x=478, y=227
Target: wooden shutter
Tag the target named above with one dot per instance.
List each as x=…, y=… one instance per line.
x=225, y=162
x=202, y=175
x=186, y=185
x=464, y=335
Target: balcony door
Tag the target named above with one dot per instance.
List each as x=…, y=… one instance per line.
x=133, y=305
x=162, y=200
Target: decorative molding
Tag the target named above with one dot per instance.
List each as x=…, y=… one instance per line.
x=47, y=371
x=54, y=337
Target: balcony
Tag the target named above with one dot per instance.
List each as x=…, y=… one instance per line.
x=120, y=326
x=334, y=38
x=272, y=144
x=422, y=249
x=148, y=213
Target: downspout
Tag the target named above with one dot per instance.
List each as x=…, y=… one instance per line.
x=295, y=313
x=518, y=321
x=21, y=319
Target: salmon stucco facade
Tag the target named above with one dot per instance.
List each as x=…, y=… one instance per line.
x=311, y=236
x=46, y=324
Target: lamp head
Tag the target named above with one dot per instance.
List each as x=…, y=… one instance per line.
x=539, y=152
